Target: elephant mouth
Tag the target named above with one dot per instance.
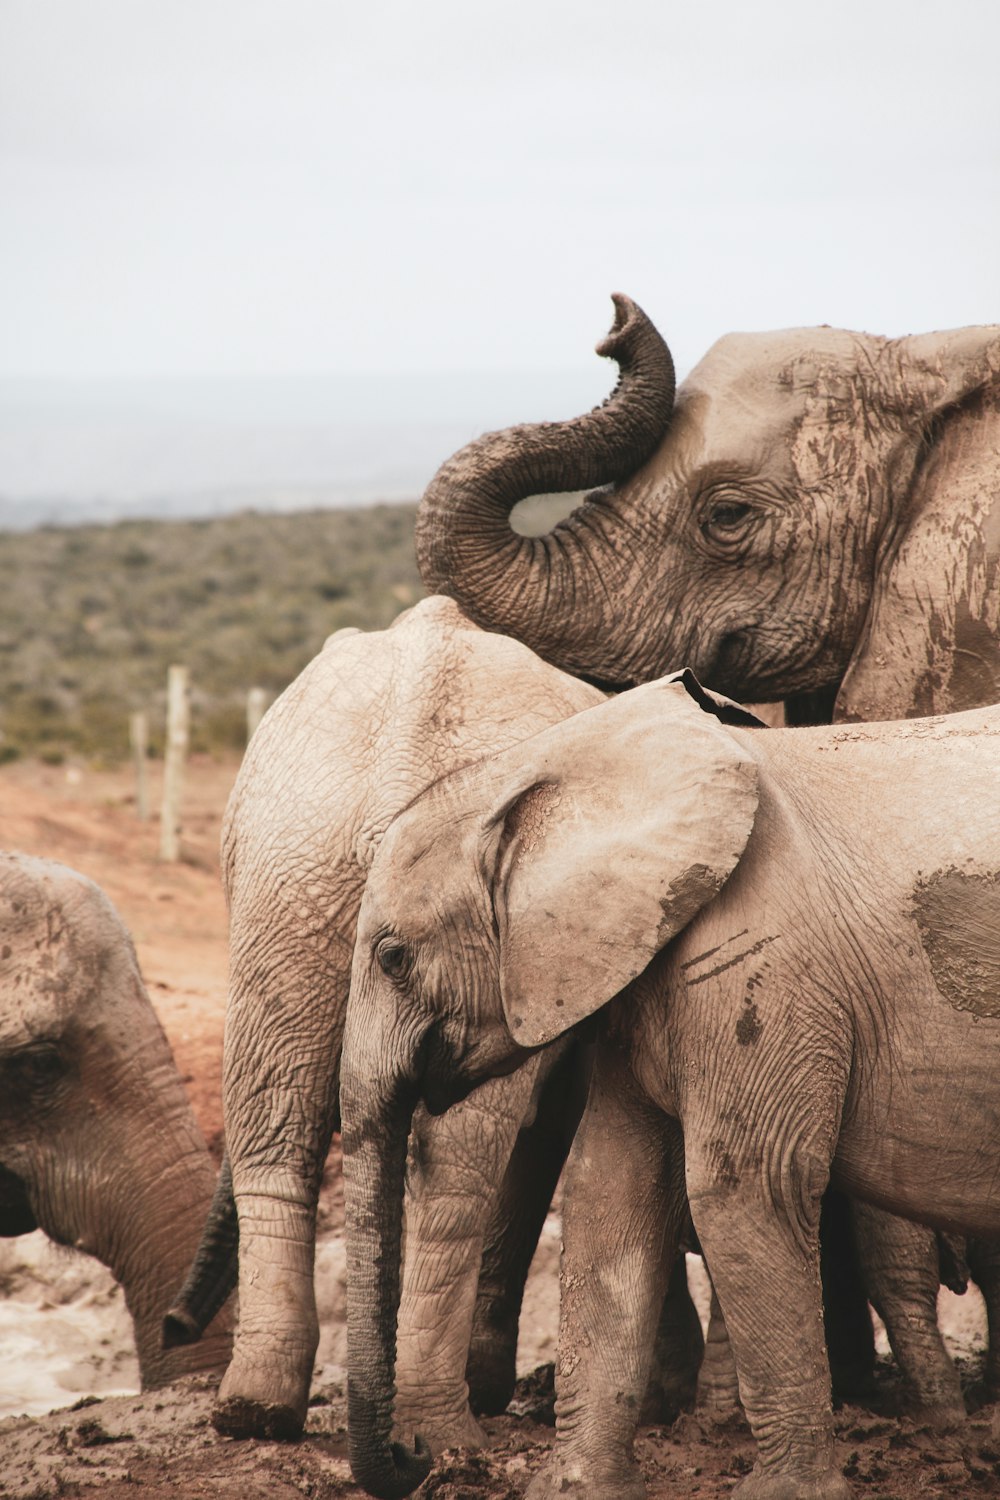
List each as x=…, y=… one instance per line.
x=447, y=1082
x=16, y=1214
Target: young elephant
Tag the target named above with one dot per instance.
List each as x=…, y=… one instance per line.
x=98, y=1143
x=371, y=722
x=798, y=931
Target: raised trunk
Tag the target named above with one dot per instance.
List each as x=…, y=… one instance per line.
x=213, y=1272
x=538, y=588
x=374, y=1163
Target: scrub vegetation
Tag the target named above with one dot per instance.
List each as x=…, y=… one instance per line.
x=92, y=616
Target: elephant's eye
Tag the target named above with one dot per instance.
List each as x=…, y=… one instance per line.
x=393, y=958
x=727, y=520
x=34, y=1066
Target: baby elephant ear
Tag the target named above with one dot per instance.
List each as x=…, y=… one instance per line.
x=615, y=828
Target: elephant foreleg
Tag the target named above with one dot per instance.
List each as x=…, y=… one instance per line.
x=457, y=1165
x=525, y=1197
x=760, y=1235
x=622, y=1214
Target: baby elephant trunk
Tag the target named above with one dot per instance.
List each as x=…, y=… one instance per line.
x=374, y=1163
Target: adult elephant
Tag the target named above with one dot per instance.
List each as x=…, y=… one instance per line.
x=817, y=510
x=815, y=517
x=372, y=721
x=99, y=1146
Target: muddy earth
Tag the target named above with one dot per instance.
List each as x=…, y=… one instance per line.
x=71, y=1420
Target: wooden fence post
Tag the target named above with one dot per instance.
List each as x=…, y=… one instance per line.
x=138, y=733
x=256, y=706
x=175, y=754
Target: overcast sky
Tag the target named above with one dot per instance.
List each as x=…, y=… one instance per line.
x=296, y=186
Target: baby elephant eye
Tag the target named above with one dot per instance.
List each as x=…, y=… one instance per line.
x=392, y=959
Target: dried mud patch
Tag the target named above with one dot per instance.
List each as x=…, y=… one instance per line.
x=161, y=1446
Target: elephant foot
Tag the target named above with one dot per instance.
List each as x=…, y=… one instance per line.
x=236, y=1417
x=560, y=1478
x=759, y=1486
x=943, y=1416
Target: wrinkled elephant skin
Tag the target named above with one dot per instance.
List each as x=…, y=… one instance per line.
x=821, y=510
x=371, y=722
x=797, y=932
x=98, y=1142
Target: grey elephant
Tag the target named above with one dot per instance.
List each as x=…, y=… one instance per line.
x=789, y=938
x=816, y=510
x=815, y=517
x=372, y=721
x=98, y=1142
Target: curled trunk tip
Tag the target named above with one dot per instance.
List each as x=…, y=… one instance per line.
x=626, y=330
x=394, y=1475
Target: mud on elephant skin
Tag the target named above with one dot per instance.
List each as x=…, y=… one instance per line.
x=369, y=724
x=817, y=509
x=815, y=517
x=98, y=1143
x=797, y=931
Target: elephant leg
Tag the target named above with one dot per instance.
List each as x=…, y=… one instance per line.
x=900, y=1264
x=678, y=1351
x=525, y=1198
x=280, y=1085
x=623, y=1210
x=265, y=1391
x=718, y=1386
x=457, y=1164
x=850, y=1337
x=759, y=1231
x=984, y=1263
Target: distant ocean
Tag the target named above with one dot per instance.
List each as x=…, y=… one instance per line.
x=78, y=451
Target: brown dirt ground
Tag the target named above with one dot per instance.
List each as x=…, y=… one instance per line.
x=162, y=1445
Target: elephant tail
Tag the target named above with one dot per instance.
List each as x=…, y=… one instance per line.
x=214, y=1271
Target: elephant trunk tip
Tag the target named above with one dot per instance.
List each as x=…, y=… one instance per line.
x=625, y=312
x=404, y=1472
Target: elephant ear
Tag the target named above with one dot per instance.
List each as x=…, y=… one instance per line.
x=613, y=829
x=929, y=643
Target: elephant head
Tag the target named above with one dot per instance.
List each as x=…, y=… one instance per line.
x=507, y=904
x=821, y=511
x=98, y=1143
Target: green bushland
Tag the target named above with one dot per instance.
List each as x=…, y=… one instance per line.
x=92, y=616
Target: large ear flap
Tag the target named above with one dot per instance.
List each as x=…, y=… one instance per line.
x=609, y=833
x=929, y=645
x=941, y=370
